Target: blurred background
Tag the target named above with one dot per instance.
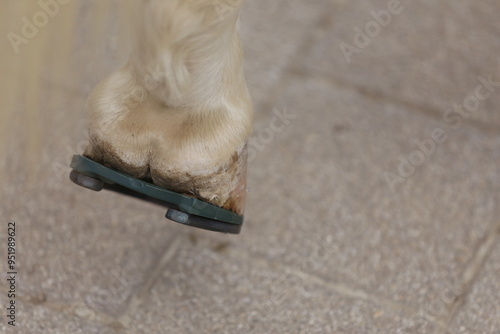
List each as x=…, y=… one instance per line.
x=372, y=208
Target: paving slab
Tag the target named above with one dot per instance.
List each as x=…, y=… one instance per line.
x=213, y=287
x=427, y=54
x=319, y=198
x=86, y=247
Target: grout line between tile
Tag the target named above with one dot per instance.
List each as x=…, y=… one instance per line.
x=377, y=96
x=138, y=298
x=341, y=289
x=469, y=276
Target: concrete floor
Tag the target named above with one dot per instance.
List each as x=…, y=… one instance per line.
x=373, y=209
